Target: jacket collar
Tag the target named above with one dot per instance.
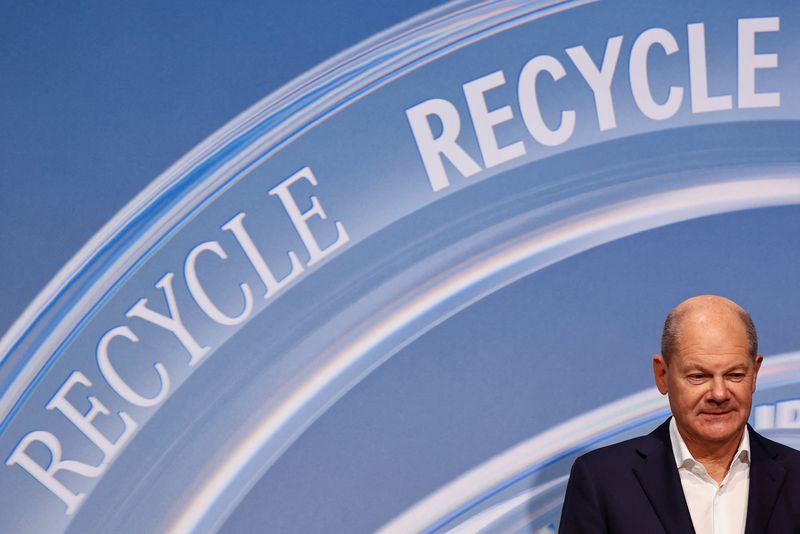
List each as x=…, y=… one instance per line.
x=766, y=478
x=658, y=476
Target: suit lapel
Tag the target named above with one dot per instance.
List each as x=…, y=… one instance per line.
x=766, y=477
x=660, y=481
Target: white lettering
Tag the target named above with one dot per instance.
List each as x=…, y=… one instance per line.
x=529, y=102
x=484, y=120
x=782, y=414
x=84, y=421
x=116, y=382
x=199, y=294
x=271, y=284
x=639, y=79
x=765, y=416
x=749, y=62
x=47, y=476
x=599, y=80
x=300, y=219
x=431, y=148
x=787, y=414
x=171, y=322
x=698, y=74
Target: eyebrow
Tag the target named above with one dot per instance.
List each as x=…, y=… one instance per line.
x=696, y=366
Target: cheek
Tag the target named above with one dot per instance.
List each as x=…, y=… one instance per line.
x=687, y=400
x=691, y=399
x=744, y=394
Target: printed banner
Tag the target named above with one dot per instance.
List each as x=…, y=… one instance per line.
x=406, y=290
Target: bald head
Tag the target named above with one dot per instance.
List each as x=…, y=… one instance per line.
x=705, y=309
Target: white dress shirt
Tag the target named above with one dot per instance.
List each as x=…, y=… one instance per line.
x=715, y=508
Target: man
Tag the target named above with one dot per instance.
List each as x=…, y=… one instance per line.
x=704, y=470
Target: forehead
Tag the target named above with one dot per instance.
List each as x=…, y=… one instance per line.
x=713, y=334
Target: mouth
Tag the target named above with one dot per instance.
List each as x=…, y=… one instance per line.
x=716, y=414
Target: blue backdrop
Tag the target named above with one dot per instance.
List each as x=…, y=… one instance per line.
x=401, y=292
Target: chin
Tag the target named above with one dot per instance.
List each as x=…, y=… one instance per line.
x=721, y=430
x=718, y=435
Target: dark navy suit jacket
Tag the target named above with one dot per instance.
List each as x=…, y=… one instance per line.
x=634, y=487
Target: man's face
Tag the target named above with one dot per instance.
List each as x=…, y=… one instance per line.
x=711, y=379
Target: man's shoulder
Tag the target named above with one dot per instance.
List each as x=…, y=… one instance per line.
x=631, y=450
x=778, y=451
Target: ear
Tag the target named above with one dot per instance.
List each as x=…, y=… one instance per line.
x=756, y=367
x=660, y=373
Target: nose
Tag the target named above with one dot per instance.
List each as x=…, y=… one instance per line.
x=719, y=390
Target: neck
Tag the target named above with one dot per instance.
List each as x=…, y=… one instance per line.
x=716, y=457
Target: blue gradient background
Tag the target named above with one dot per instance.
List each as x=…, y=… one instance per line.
x=98, y=98
x=524, y=359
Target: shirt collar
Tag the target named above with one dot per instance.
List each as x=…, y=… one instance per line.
x=682, y=454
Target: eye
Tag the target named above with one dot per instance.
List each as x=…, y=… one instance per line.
x=736, y=377
x=696, y=378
